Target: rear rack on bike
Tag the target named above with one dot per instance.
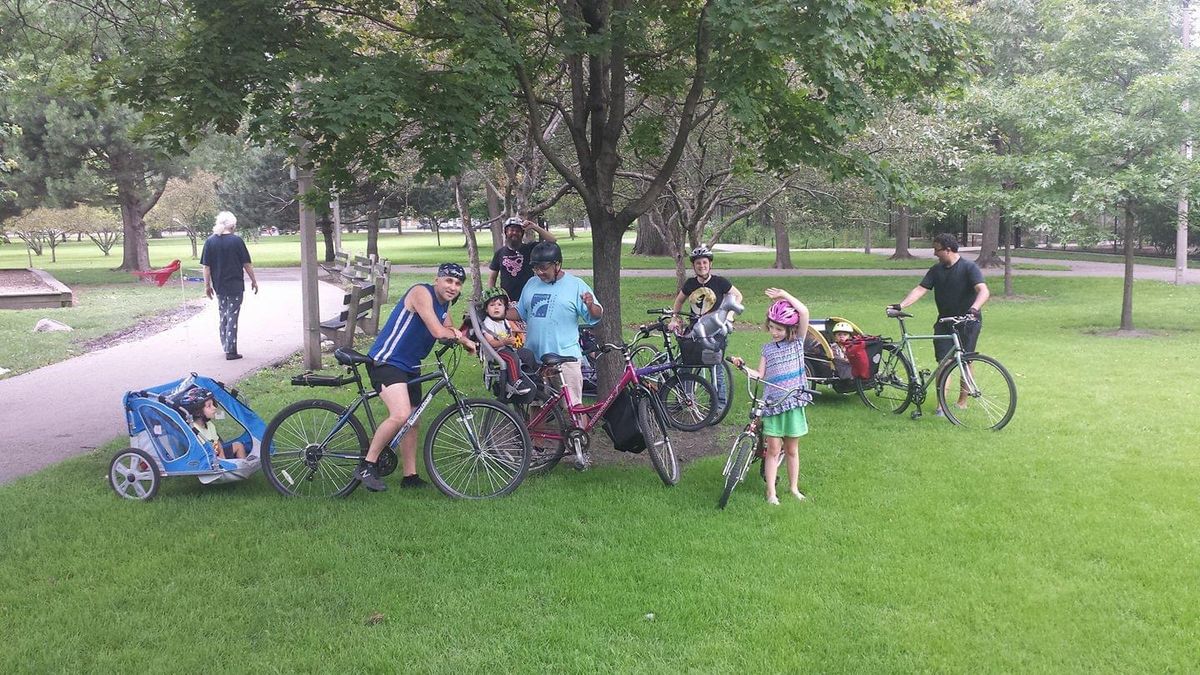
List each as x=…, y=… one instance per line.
x=311, y=379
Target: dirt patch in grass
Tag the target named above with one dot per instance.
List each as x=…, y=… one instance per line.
x=688, y=446
x=148, y=326
x=21, y=281
x=1126, y=333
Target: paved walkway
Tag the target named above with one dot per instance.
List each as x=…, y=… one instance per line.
x=68, y=408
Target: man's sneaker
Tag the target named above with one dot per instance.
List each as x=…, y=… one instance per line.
x=365, y=473
x=413, y=481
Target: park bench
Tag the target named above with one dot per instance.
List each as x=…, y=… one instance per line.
x=358, y=306
x=341, y=260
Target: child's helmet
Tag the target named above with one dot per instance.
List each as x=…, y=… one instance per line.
x=193, y=399
x=491, y=294
x=843, y=327
x=783, y=313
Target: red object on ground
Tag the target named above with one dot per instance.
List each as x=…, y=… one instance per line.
x=160, y=276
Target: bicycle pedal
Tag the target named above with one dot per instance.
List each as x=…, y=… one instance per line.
x=916, y=415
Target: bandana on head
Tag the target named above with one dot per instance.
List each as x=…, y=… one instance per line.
x=452, y=270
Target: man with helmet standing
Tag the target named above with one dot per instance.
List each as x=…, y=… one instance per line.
x=552, y=305
x=420, y=318
x=511, y=261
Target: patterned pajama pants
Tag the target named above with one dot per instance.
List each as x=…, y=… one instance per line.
x=229, y=306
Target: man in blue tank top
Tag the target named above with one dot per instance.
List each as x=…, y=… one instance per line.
x=417, y=321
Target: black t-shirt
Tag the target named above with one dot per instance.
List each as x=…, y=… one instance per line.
x=224, y=256
x=514, y=268
x=692, y=300
x=953, y=287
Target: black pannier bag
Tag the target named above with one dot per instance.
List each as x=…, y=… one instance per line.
x=620, y=423
x=703, y=351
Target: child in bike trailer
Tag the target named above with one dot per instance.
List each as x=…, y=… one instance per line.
x=202, y=407
x=781, y=368
x=506, y=338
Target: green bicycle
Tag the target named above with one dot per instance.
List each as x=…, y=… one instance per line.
x=985, y=398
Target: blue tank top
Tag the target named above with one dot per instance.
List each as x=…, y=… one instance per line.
x=405, y=341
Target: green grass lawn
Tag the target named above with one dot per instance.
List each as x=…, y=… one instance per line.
x=99, y=310
x=1066, y=542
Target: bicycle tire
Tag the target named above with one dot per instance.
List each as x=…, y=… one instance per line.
x=646, y=355
x=891, y=388
x=715, y=378
x=992, y=401
x=689, y=402
x=653, y=424
x=545, y=453
x=477, y=449
x=741, y=454
x=293, y=444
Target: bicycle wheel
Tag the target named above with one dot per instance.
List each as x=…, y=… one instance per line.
x=653, y=425
x=689, y=402
x=548, y=441
x=476, y=449
x=308, y=455
x=990, y=392
x=891, y=389
x=720, y=377
x=647, y=355
x=739, y=461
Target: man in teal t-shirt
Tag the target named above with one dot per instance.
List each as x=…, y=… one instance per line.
x=553, y=304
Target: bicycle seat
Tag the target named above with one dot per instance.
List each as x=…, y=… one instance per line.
x=557, y=359
x=349, y=357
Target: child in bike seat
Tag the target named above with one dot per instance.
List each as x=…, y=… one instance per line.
x=782, y=367
x=507, y=338
x=200, y=404
x=843, y=332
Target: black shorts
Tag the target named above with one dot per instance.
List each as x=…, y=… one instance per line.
x=383, y=376
x=968, y=335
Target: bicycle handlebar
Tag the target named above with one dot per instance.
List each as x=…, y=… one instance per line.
x=746, y=371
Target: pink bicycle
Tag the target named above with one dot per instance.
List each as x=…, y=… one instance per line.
x=557, y=422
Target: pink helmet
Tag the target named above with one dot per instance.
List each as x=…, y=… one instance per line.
x=783, y=313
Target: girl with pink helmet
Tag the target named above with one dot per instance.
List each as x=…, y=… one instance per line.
x=781, y=367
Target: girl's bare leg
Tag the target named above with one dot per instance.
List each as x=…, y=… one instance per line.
x=771, y=466
x=791, y=448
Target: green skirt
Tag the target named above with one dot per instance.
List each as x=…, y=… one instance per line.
x=788, y=424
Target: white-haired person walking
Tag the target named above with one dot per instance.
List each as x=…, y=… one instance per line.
x=224, y=259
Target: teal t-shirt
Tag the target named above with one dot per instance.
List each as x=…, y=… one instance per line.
x=552, y=314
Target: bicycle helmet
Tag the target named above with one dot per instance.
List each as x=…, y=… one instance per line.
x=452, y=270
x=843, y=327
x=193, y=399
x=701, y=251
x=514, y=223
x=783, y=313
x=491, y=294
x=545, y=252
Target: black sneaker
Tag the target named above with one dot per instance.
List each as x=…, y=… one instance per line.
x=413, y=481
x=365, y=473
x=232, y=356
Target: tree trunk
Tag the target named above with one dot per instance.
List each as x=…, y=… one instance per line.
x=1008, y=284
x=650, y=238
x=903, y=226
x=373, y=229
x=606, y=281
x=325, y=225
x=192, y=237
x=464, y=214
x=991, y=239
x=494, y=213
x=1127, y=292
x=136, y=253
x=965, y=239
x=783, y=242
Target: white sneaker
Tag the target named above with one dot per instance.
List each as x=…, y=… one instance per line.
x=773, y=501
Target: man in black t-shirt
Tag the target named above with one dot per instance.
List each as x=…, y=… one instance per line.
x=958, y=289
x=511, y=261
x=703, y=292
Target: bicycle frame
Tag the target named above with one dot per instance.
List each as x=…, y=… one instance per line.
x=594, y=412
x=924, y=377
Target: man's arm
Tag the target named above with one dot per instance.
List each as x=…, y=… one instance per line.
x=208, y=289
x=250, y=271
x=492, y=278
x=542, y=232
x=981, y=296
x=914, y=295
x=674, y=321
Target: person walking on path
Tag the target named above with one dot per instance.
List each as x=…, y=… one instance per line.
x=224, y=259
x=510, y=264
x=958, y=289
x=421, y=317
